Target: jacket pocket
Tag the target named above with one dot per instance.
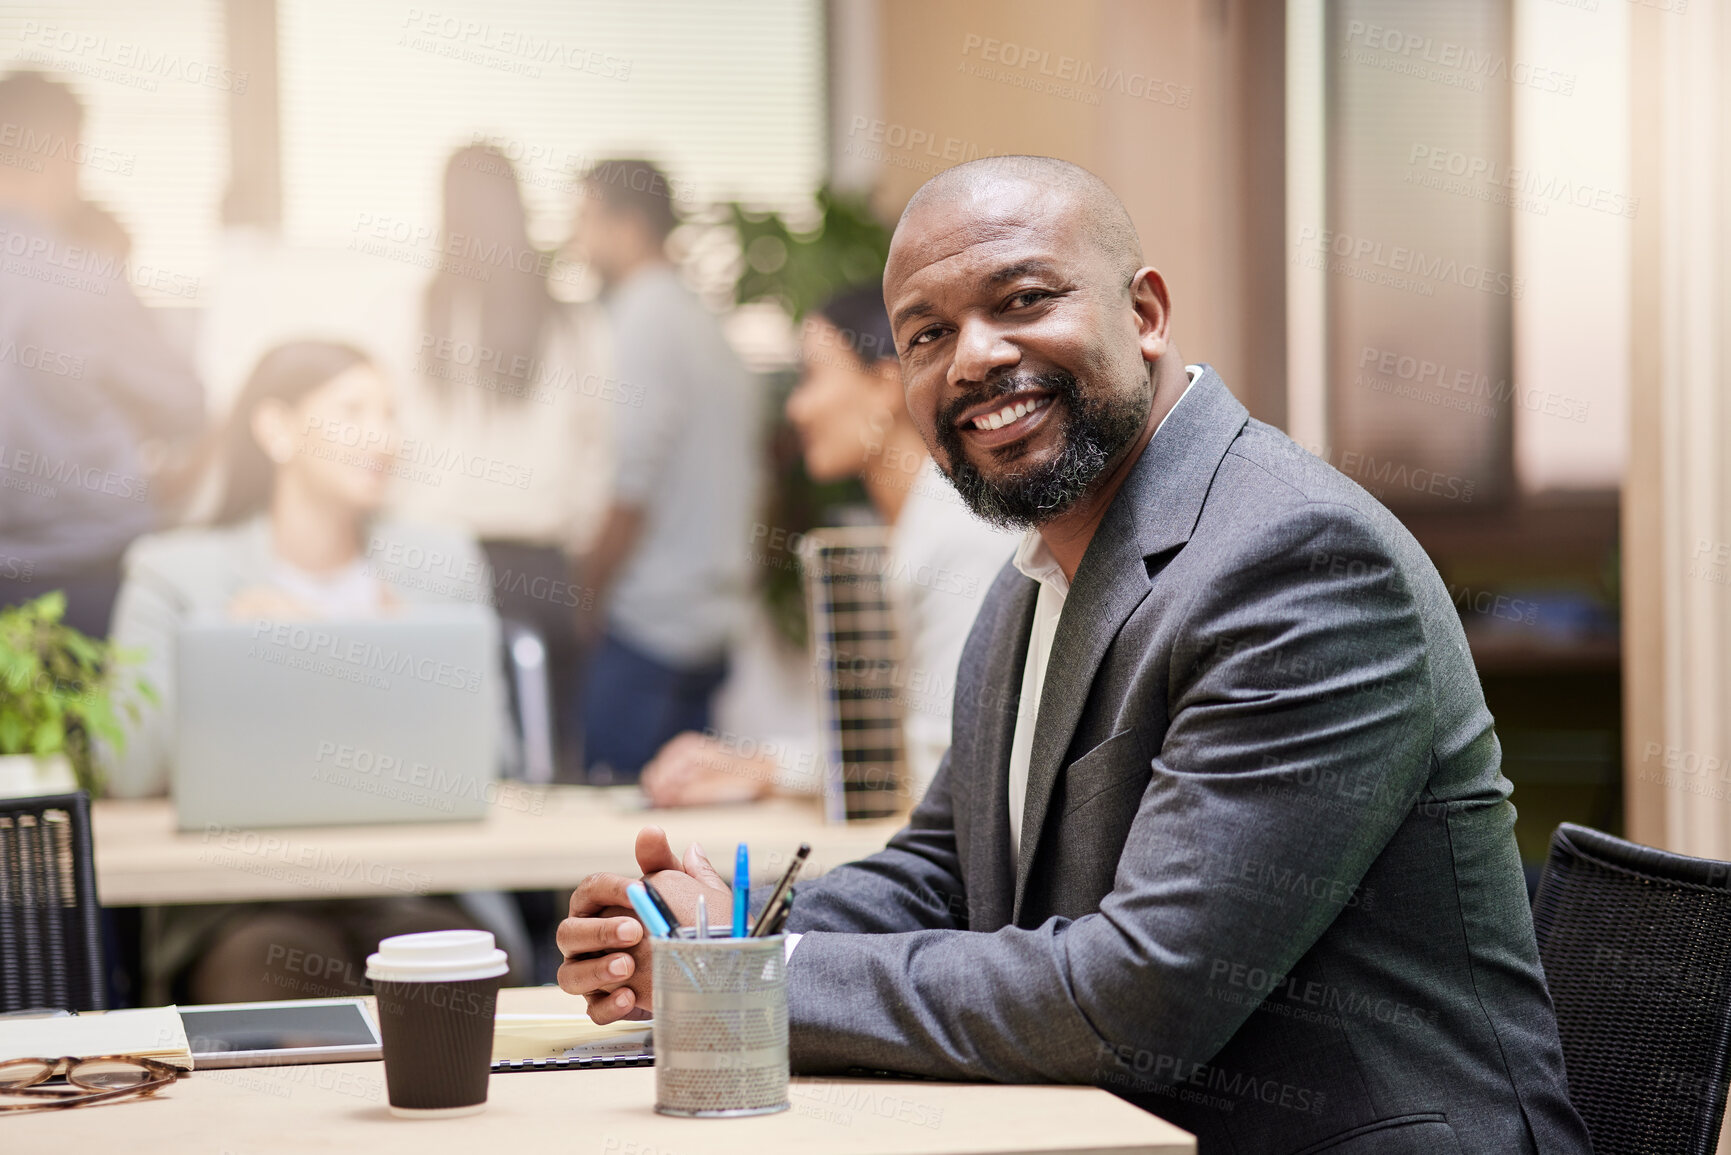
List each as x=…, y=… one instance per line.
x=1428, y=1133
x=1119, y=760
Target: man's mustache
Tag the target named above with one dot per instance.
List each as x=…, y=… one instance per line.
x=1057, y=382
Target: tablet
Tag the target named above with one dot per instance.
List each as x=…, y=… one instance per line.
x=292, y=1031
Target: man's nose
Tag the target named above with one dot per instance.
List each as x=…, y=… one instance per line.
x=981, y=347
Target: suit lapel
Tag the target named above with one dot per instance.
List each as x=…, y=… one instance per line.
x=1154, y=512
x=991, y=887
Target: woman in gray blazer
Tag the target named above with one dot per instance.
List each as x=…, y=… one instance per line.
x=305, y=461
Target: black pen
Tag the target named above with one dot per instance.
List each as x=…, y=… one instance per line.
x=780, y=920
x=770, y=908
x=661, y=905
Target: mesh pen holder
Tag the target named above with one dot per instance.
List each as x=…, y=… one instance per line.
x=720, y=1026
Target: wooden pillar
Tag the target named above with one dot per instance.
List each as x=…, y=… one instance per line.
x=1179, y=106
x=254, y=194
x=1676, y=505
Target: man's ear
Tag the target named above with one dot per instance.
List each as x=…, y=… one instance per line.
x=1153, y=307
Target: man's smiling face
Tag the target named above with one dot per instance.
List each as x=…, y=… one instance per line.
x=1019, y=343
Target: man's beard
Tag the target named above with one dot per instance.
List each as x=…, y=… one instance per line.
x=1095, y=430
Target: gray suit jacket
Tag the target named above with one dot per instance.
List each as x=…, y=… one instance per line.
x=1268, y=885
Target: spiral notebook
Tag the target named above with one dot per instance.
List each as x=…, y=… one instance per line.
x=552, y=1042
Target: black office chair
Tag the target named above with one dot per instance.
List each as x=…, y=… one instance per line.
x=50, y=936
x=1636, y=944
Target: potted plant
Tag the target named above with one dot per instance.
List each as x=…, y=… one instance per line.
x=55, y=703
x=799, y=270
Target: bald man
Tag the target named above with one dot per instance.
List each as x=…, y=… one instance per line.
x=1222, y=826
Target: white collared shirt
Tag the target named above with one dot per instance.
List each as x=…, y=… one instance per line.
x=1036, y=561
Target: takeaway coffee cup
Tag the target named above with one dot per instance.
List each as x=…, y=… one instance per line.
x=436, y=994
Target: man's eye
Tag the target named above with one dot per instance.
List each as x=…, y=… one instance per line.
x=1028, y=297
x=924, y=336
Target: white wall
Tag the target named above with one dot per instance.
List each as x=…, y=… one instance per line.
x=1572, y=323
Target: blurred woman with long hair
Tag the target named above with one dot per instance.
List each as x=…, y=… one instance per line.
x=509, y=405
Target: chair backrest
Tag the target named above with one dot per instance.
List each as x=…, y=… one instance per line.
x=856, y=657
x=1636, y=945
x=50, y=921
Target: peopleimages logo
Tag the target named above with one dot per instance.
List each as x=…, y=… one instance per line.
x=1541, y=187
x=148, y=65
x=1446, y=62
x=1066, y=76
x=505, y=48
x=1397, y=369
x=357, y=656
x=438, y=460
x=24, y=146
x=941, y=579
x=517, y=375
x=63, y=472
x=42, y=359
x=287, y=859
x=391, y=776
x=42, y=258
x=901, y=137
x=1366, y=259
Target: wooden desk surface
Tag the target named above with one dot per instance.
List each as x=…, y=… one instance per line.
x=340, y=1107
x=532, y=838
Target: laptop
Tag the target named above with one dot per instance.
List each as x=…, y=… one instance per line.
x=316, y=723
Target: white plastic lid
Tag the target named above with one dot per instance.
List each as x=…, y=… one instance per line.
x=450, y=956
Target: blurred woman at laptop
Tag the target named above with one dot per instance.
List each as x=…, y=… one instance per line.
x=304, y=463
x=853, y=422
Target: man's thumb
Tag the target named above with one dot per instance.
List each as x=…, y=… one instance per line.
x=697, y=865
x=654, y=852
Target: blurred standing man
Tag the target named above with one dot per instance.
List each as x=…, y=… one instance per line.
x=669, y=567
x=86, y=379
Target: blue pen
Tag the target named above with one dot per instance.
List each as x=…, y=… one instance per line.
x=741, y=890
x=646, y=912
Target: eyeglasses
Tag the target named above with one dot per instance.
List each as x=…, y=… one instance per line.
x=99, y=1079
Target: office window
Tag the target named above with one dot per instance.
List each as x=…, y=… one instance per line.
x=155, y=87
x=1574, y=221
x=728, y=98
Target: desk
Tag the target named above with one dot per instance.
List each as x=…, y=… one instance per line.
x=533, y=838
x=340, y=1107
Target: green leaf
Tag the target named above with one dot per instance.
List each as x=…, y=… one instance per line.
x=99, y=719
x=82, y=647
x=53, y=683
x=16, y=670
x=50, y=738
x=11, y=734
x=800, y=270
